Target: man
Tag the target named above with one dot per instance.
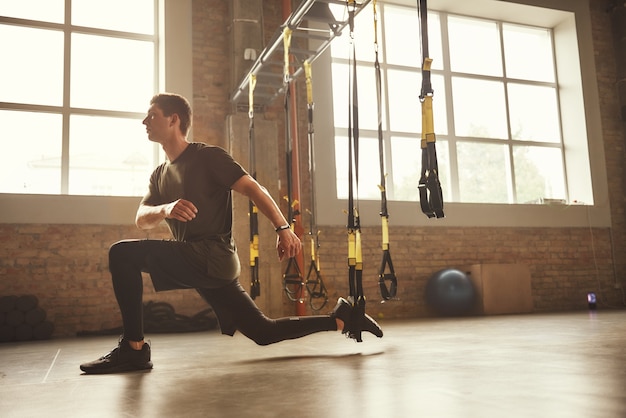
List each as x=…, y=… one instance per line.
x=191, y=191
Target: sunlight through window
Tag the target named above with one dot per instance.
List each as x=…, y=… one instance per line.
x=78, y=134
x=496, y=107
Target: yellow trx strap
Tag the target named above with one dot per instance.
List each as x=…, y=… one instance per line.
x=355, y=256
x=431, y=196
x=255, y=287
x=308, y=78
x=386, y=272
x=286, y=46
x=293, y=282
x=318, y=294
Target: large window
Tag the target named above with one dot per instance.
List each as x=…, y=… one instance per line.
x=496, y=107
x=75, y=81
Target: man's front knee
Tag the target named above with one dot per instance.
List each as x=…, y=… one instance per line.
x=120, y=252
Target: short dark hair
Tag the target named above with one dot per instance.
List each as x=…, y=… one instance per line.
x=171, y=103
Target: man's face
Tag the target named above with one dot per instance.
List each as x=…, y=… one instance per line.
x=158, y=126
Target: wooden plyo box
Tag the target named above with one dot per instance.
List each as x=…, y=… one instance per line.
x=501, y=288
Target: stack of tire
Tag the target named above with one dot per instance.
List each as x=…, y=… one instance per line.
x=22, y=319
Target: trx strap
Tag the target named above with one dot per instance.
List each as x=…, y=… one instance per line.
x=355, y=256
x=293, y=282
x=318, y=295
x=255, y=287
x=386, y=292
x=431, y=196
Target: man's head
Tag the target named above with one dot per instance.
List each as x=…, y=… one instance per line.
x=170, y=104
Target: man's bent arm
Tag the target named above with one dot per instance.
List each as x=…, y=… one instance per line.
x=149, y=217
x=287, y=244
x=250, y=188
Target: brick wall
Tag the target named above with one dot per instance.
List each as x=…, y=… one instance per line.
x=565, y=264
x=613, y=129
x=66, y=266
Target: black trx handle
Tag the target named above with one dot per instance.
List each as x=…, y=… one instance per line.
x=292, y=280
x=255, y=286
x=318, y=294
x=431, y=195
x=386, y=293
x=390, y=292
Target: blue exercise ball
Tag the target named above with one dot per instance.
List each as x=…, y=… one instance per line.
x=450, y=292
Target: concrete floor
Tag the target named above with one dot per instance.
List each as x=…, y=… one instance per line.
x=556, y=365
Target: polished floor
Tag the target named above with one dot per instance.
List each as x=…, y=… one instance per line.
x=553, y=365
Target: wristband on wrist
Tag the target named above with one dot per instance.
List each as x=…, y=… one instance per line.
x=283, y=227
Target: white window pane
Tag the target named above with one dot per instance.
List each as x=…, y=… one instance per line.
x=404, y=106
x=405, y=109
x=341, y=47
x=407, y=168
x=479, y=108
x=402, y=36
x=484, y=175
x=122, y=15
x=43, y=10
x=34, y=165
x=528, y=53
x=434, y=41
x=474, y=46
x=32, y=68
x=111, y=73
x=534, y=113
x=368, y=110
x=109, y=156
x=538, y=174
x=369, y=171
x=403, y=40
x=440, y=113
x=340, y=90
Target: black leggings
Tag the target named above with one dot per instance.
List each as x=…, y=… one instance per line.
x=168, y=269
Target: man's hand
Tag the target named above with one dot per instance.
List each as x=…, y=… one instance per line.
x=287, y=244
x=181, y=210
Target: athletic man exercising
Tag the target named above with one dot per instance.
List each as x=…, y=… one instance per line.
x=191, y=191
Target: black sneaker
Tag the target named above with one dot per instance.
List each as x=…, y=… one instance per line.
x=343, y=311
x=121, y=359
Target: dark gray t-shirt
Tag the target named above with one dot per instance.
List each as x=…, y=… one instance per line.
x=202, y=174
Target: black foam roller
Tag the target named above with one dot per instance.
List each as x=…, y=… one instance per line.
x=7, y=303
x=7, y=333
x=43, y=331
x=14, y=318
x=26, y=302
x=23, y=332
x=35, y=316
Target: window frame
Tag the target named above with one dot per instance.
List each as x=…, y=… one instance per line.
x=571, y=25
x=174, y=69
